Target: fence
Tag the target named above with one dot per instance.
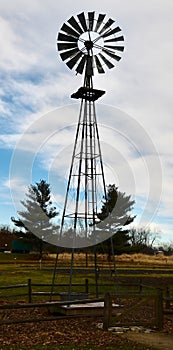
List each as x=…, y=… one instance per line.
x=29, y=293
x=137, y=310
x=46, y=305
x=118, y=308
x=28, y=290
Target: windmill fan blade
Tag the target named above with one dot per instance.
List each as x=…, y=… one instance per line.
x=112, y=55
x=74, y=24
x=107, y=25
x=68, y=54
x=64, y=37
x=81, y=65
x=74, y=60
x=118, y=48
x=99, y=22
x=91, y=20
x=110, y=32
x=99, y=65
x=109, y=64
x=77, y=50
x=83, y=21
x=66, y=46
x=119, y=38
x=69, y=31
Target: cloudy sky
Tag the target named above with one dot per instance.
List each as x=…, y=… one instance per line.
x=37, y=116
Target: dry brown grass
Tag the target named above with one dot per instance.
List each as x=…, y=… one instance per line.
x=137, y=259
x=145, y=259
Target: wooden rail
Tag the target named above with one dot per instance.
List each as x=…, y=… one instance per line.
x=108, y=319
x=47, y=305
x=107, y=314
x=86, y=287
x=162, y=302
x=30, y=293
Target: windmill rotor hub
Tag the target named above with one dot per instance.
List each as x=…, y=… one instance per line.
x=88, y=45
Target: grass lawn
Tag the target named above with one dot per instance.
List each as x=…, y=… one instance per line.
x=17, y=269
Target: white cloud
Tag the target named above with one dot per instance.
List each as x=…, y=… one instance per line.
x=12, y=55
x=34, y=81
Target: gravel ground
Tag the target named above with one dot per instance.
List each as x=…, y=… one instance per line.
x=61, y=332
x=82, y=331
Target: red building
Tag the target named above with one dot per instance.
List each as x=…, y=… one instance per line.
x=6, y=238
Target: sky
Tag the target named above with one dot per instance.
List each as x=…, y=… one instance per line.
x=38, y=118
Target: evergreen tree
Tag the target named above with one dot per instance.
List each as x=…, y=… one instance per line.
x=115, y=210
x=114, y=215
x=35, y=220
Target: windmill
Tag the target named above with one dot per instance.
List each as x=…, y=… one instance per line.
x=87, y=43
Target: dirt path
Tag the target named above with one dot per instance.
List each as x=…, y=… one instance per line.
x=160, y=341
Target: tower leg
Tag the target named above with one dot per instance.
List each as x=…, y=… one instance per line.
x=86, y=184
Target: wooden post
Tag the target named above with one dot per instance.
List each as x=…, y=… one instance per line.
x=140, y=286
x=96, y=273
x=107, y=311
x=159, y=309
x=29, y=291
x=86, y=259
x=167, y=294
x=86, y=286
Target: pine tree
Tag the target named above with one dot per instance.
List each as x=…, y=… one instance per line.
x=35, y=220
x=114, y=215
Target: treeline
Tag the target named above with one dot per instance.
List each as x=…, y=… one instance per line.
x=129, y=241
x=34, y=227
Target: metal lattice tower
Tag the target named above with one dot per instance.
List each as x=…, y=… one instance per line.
x=86, y=43
x=86, y=178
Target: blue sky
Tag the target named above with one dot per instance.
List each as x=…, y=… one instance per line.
x=37, y=116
